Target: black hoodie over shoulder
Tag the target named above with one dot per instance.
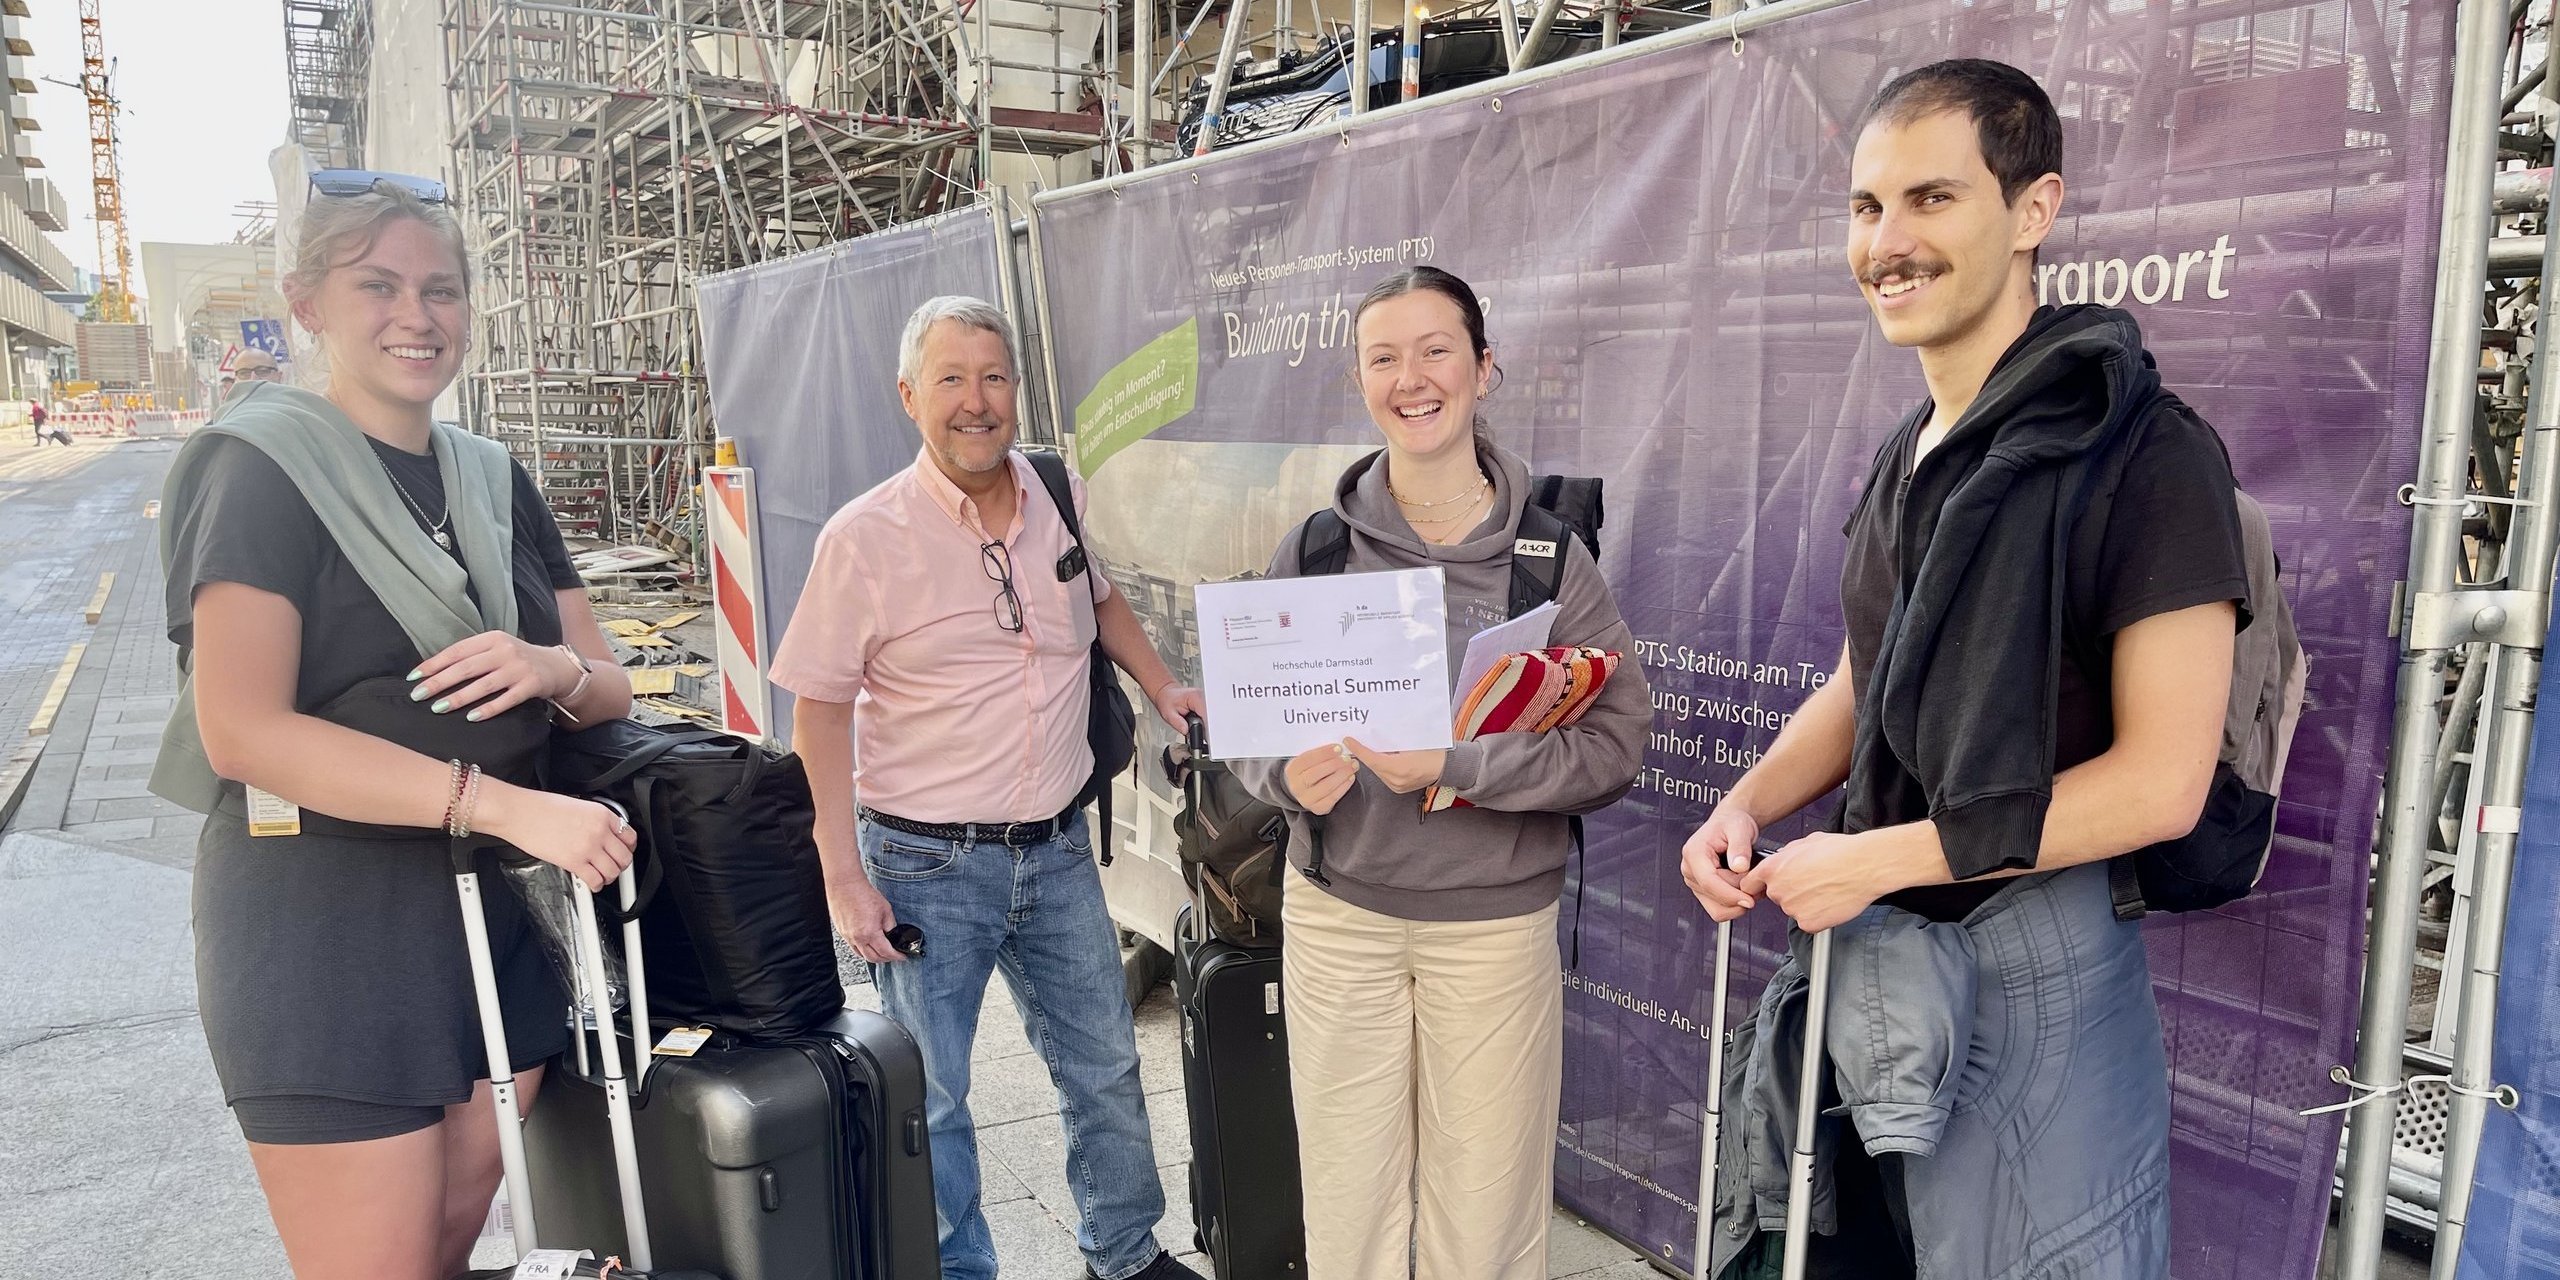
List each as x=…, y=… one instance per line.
x=1972, y=694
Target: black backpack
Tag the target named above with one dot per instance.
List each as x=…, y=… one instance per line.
x=1111, y=724
x=732, y=903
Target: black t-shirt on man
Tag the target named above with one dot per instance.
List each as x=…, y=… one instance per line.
x=2171, y=541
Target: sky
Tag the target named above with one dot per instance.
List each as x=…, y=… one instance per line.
x=202, y=83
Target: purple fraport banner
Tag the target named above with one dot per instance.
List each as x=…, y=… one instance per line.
x=1659, y=239
x=802, y=357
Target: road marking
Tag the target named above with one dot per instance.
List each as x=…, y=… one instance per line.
x=52, y=706
x=98, y=602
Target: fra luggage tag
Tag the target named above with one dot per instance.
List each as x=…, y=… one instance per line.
x=273, y=815
x=548, y=1264
x=683, y=1042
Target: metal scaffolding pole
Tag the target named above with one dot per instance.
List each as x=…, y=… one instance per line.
x=2524, y=608
x=2480, y=45
x=1360, y=35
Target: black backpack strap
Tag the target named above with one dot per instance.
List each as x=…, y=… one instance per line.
x=1324, y=544
x=1051, y=466
x=1537, y=558
x=1581, y=881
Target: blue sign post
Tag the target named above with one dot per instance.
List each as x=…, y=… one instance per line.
x=267, y=336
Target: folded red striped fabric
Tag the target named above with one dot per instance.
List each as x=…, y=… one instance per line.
x=1527, y=692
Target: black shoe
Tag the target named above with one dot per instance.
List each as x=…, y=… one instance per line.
x=1163, y=1268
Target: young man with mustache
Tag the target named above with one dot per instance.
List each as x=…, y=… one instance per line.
x=2024, y=695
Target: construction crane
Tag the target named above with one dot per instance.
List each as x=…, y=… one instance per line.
x=115, y=292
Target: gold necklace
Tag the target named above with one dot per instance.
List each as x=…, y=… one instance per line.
x=1472, y=491
x=1446, y=524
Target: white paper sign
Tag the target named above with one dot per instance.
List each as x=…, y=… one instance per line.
x=1294, y=663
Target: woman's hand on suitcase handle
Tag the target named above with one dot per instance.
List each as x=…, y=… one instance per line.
x=1715, y=859
x=494, y=666
x=581, y=837
x=1320, y=776
x=864, y=919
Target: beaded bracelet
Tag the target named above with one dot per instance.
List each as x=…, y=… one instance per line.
x=470, y=802
x=453, y=794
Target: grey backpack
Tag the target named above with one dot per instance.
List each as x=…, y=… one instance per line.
x=2220, y=861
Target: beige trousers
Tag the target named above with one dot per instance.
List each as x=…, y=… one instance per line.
x=1426, y=1059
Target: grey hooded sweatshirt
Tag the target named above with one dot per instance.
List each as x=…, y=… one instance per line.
x=1505, y=856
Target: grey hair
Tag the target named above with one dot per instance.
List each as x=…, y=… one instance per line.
x=336, y=230
x=977, y=313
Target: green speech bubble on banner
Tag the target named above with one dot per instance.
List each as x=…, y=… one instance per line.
x=1157, y=384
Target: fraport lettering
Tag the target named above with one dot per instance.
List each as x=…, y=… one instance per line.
x=2161, y=277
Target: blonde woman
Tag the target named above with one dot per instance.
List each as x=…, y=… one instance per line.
x=382, y=624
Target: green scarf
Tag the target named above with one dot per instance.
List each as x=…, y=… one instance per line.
x=326, y=457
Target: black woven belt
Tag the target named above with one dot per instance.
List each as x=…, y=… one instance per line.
x=1012, y=835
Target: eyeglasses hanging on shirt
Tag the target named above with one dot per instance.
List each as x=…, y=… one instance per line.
x=999, y=566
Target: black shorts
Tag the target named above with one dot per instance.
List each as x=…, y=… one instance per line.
x=305, y=1119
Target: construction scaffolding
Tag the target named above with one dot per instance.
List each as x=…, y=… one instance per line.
x=327, y=44
x=606, y=154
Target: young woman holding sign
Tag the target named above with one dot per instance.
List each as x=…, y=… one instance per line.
x=1419, y=955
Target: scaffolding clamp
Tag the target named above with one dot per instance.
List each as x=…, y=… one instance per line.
x=2451, y=619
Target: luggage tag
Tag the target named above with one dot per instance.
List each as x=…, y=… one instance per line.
x=683, y=1042
x=548, y=1264
x=273, y=815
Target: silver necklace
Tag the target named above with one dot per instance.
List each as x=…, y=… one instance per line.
x=435, y=527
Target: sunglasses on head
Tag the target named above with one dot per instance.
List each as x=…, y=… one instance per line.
x=359, y=182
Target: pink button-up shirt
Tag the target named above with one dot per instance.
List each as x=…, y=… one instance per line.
x=955, y=718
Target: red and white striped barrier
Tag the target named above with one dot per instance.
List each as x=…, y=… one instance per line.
x=93, y=422
x=737, y=601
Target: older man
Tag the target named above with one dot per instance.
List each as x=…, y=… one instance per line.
x=946, y=628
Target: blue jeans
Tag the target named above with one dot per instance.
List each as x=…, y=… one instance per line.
x=1035, y=914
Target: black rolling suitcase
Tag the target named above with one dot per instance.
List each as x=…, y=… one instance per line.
x=796, y=1159
x=615, y=1169
x=1244, y=1132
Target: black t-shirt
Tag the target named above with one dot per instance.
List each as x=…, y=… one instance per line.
x=251, y=525
x=2170, y=541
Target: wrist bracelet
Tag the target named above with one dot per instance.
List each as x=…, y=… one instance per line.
x=453, y=794
x=585, y=673
x=1158, y=692
x=470, y=802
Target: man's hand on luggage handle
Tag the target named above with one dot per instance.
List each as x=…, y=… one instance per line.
x=1173, y=701
x=1715, y=859
x=1822, y=880
x=863, y=917
x=1320, y=776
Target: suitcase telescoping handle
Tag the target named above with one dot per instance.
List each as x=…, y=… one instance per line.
x=1702, y=1246
x=1195, y=736
x=587, y=959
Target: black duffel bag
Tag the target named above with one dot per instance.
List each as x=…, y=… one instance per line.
x=733, y=903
